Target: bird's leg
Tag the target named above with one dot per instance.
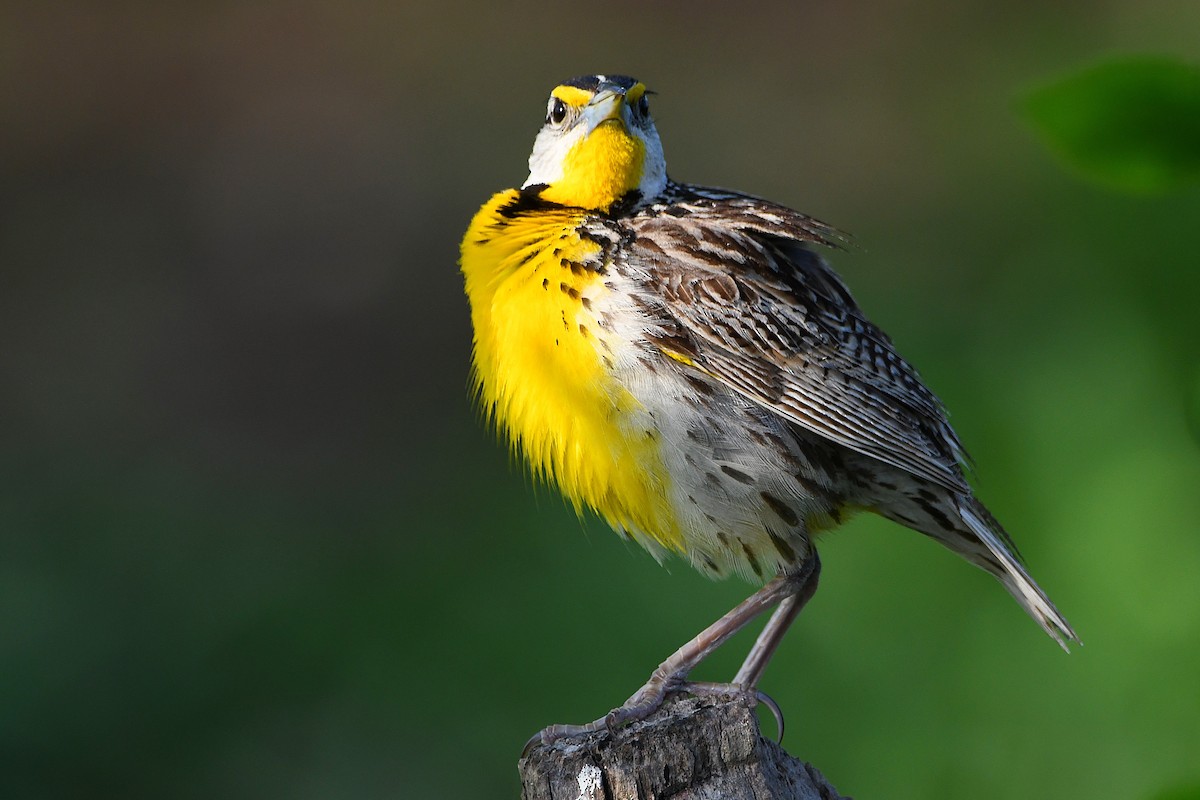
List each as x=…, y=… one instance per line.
x=772, y=634
x=671, y=675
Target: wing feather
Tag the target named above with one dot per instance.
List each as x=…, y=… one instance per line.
x=743, y=298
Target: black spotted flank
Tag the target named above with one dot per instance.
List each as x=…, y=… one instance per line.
x=782, y=509
x=785, y=550
x=736, y=474
x=752, y=560
x=590, y=83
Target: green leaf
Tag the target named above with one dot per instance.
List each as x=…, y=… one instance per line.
x=1132, y=124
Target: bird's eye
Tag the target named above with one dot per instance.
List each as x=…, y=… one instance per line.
x=558, y=112
x=643, y=107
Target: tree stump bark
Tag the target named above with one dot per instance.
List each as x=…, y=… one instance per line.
x=692, y=748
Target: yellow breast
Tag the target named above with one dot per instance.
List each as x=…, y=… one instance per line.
x=543, y=364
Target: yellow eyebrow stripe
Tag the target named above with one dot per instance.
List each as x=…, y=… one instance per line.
x=572, y=95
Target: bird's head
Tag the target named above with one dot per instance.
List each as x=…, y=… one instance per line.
x=597, y=145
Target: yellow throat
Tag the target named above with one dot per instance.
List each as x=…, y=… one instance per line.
x=544, y=365
x=546, y=360
x=606, y=163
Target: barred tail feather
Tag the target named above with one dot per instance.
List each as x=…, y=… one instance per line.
x=1014, y=577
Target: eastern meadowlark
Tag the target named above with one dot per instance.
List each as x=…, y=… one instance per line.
x=682, y=361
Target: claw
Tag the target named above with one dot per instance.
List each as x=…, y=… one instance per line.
x=775, y=710
x=533, y=740
x=553, y=733
x=732, y=689
x=644, y=702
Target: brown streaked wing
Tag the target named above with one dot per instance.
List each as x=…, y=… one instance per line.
x=746, y=302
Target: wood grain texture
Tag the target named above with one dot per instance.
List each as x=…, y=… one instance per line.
x=691, y=749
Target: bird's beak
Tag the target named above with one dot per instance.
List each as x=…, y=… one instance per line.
x=607, y=104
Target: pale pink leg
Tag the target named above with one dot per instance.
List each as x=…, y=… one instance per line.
x=671, y=675
x=768, y=641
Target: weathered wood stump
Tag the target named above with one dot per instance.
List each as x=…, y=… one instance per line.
x=691, y=749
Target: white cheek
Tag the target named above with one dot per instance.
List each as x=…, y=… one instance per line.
x=550, y=150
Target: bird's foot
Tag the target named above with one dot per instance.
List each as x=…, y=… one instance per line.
x=649, y=699
x=750, y=694
x=644, y=702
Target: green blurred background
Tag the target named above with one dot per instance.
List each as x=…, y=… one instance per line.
x=254, y=541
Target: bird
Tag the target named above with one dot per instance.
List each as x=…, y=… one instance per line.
x=683, y=361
